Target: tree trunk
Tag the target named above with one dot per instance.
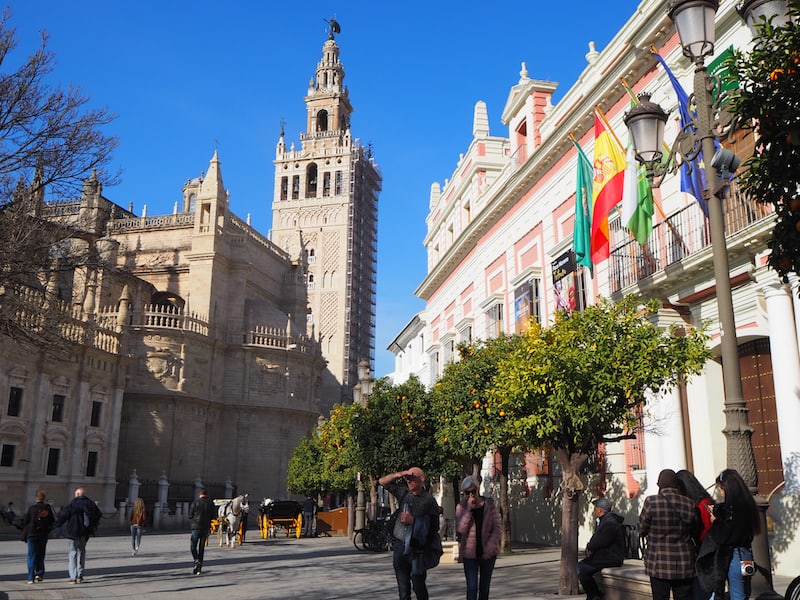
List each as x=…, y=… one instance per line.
x=505, y=516
x=571, y=465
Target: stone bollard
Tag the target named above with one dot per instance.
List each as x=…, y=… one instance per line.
x=122, y=513
x=157, y=516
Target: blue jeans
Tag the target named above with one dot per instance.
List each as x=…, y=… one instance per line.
x=198, y=545
x=738, y=584
x=479, y=575
x=77, y=556
x=36, y=549
x=136, y=536
x=403, y=572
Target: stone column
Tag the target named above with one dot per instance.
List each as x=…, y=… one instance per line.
x=781, y=311
x=663, y=437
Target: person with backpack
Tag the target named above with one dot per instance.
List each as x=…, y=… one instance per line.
x=36, y=526
x=81, y=517
x=414, y=531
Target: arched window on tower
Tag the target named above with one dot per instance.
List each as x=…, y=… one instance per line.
x=295, y=187
x=322, y=120
x=311, y=180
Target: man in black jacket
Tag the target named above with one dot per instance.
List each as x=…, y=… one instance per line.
x=605, y=549
x=201, y=512
x=81, y=517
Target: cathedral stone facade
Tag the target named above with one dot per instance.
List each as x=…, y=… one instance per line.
x=202, y=351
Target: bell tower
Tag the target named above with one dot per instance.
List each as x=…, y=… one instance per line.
x=327, y=193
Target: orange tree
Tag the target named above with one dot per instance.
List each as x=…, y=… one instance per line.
x=304, y=474
x=766, y=97
x=579, y=383
x=470, y=422
x=396, y=430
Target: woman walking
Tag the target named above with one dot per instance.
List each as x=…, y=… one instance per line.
x=138, y=517
x=36, y=526
x=726, y=552
x=478, y=525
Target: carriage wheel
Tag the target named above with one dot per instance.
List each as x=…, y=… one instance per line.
x=299, y=527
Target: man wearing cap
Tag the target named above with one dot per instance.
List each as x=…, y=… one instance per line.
x=606, y=548
x=667, y=519
x=414, y=530
x=201, y=512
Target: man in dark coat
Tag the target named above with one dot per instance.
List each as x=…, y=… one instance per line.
x=414, y=530
x=201, y=512
x=81, y=517
x=606, y=548
x=667, y=519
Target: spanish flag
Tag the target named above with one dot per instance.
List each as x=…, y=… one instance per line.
x=607, y=187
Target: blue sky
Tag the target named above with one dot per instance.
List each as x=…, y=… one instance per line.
x=185, y=78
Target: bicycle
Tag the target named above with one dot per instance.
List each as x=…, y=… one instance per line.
x=373, y=537
x=793, y=591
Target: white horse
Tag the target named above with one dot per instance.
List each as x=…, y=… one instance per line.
x=230, y=517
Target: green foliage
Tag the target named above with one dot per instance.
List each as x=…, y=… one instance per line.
x=470, y=421
x=397, y=429
x=305, y=475
x=577, y=383
x=767, y=98
x=339, y=452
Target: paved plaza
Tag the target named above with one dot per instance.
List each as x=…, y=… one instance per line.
x=276, y=569
x=279, y=568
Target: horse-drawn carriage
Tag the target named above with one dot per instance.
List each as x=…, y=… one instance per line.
x=282, y=513
x=231, y=513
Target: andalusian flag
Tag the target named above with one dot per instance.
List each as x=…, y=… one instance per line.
x=583, y=211
x=609, y=174
x=637, y=199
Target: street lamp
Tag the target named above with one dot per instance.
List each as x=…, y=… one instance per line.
x=694, y=20
x=755, y=12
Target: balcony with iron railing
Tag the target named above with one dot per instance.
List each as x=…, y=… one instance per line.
x=685, y=236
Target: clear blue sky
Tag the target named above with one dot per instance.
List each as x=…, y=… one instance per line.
x=185, y=78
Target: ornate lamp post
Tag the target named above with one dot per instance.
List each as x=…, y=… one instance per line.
x=694, y=20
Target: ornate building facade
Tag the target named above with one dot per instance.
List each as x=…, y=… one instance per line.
x=499, y=245
x=326, y=196
x=191, y=362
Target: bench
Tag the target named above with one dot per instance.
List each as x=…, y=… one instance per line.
x=628, y=582
x=451, y=552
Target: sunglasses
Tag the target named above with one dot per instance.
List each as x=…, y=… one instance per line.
x=470, y=492
x=410, y=477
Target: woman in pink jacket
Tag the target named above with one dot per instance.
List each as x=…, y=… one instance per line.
x=478, y=528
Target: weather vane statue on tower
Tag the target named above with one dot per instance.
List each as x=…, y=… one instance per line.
x=334, y=26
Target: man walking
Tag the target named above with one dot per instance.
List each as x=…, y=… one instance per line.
x=606, y=548
x=81, y=517
x=309, y=508
x=414, y=530
x=201, y=512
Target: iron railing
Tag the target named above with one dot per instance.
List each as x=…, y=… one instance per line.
x=680, y=235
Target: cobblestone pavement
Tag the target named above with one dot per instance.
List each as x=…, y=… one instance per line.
x=275, y=569
x=278, y=568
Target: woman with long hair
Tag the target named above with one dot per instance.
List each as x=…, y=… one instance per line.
x=726, y=550
x=138, y=517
